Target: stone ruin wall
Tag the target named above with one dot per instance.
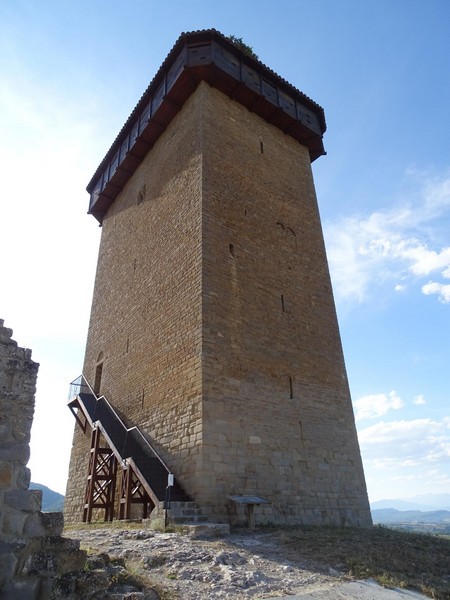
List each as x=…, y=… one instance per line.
x=33, y=555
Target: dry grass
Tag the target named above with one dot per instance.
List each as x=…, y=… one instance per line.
x=393, y=558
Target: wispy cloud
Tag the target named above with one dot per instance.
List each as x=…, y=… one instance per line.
x=442, y=290
x=406, y=483
x=418, y=400
x=397, y=246
x=404, y=457
x=397, y=444
x=376, y=405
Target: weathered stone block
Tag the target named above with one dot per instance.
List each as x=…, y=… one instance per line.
x=13, y=522
x=24, y=589
x=33, y=526
x=5, y=430
x=97, y=581
x=8, y=562
x=15, y=452
x=53, y=523
x=43, y=524
x=22, y=428
x=23, y=478
x=40, y=563
x=27, y=500
x=6, y=475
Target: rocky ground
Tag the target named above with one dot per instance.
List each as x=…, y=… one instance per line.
x=182, y=567
x=136, y=563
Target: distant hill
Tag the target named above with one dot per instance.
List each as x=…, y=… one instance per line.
x=399, y=505
x=391, y=515
x=51, y=501
x=424, y=502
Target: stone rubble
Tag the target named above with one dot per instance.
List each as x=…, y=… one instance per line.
x=240, y=565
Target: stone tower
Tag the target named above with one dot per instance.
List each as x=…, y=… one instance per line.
x=213, y=326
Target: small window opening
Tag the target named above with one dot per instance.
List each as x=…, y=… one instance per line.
x=128, y=345
x=291, y=390
x=282, y=302
x=301, y=431
x=231, y=250
x=141, y=194
x=98, y=378
x=142, y=399
x=261, y=145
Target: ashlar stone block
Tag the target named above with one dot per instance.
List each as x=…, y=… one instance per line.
x=25, y=500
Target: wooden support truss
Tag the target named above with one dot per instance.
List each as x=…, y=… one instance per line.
x=107, y=455
x=101, y=480
x=133, y=492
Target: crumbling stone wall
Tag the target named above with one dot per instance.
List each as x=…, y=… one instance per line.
x=33, y=555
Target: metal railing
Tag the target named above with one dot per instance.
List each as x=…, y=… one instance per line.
x=126, y=442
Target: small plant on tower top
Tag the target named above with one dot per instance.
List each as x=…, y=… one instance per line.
x=243, y=46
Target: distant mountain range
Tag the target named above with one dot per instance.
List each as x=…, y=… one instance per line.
x=426, y=508
x=51, y=501
x=429, y=512
x=424, y=502
x=391, y=515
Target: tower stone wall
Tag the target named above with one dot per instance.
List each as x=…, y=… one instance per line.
x=146, y=318
x=277, y=414
x=214, y=324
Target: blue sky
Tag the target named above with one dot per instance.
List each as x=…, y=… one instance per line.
x=70, y=74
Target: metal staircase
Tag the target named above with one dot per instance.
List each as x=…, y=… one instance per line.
x=114, y=447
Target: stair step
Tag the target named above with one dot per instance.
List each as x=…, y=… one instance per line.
x=191, y=512
x=184, y=519
x=185, y=512
x=184, y=504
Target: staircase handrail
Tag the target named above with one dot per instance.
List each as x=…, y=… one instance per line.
x=82, y=383
x=147, y=443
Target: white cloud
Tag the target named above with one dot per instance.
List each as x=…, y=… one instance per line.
x=425, y=261
x=406, y=483
x=397, y=444
x=396, y=245
x=377, y=405
x=404, y=458
x=418, y=400
x=442, y=290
